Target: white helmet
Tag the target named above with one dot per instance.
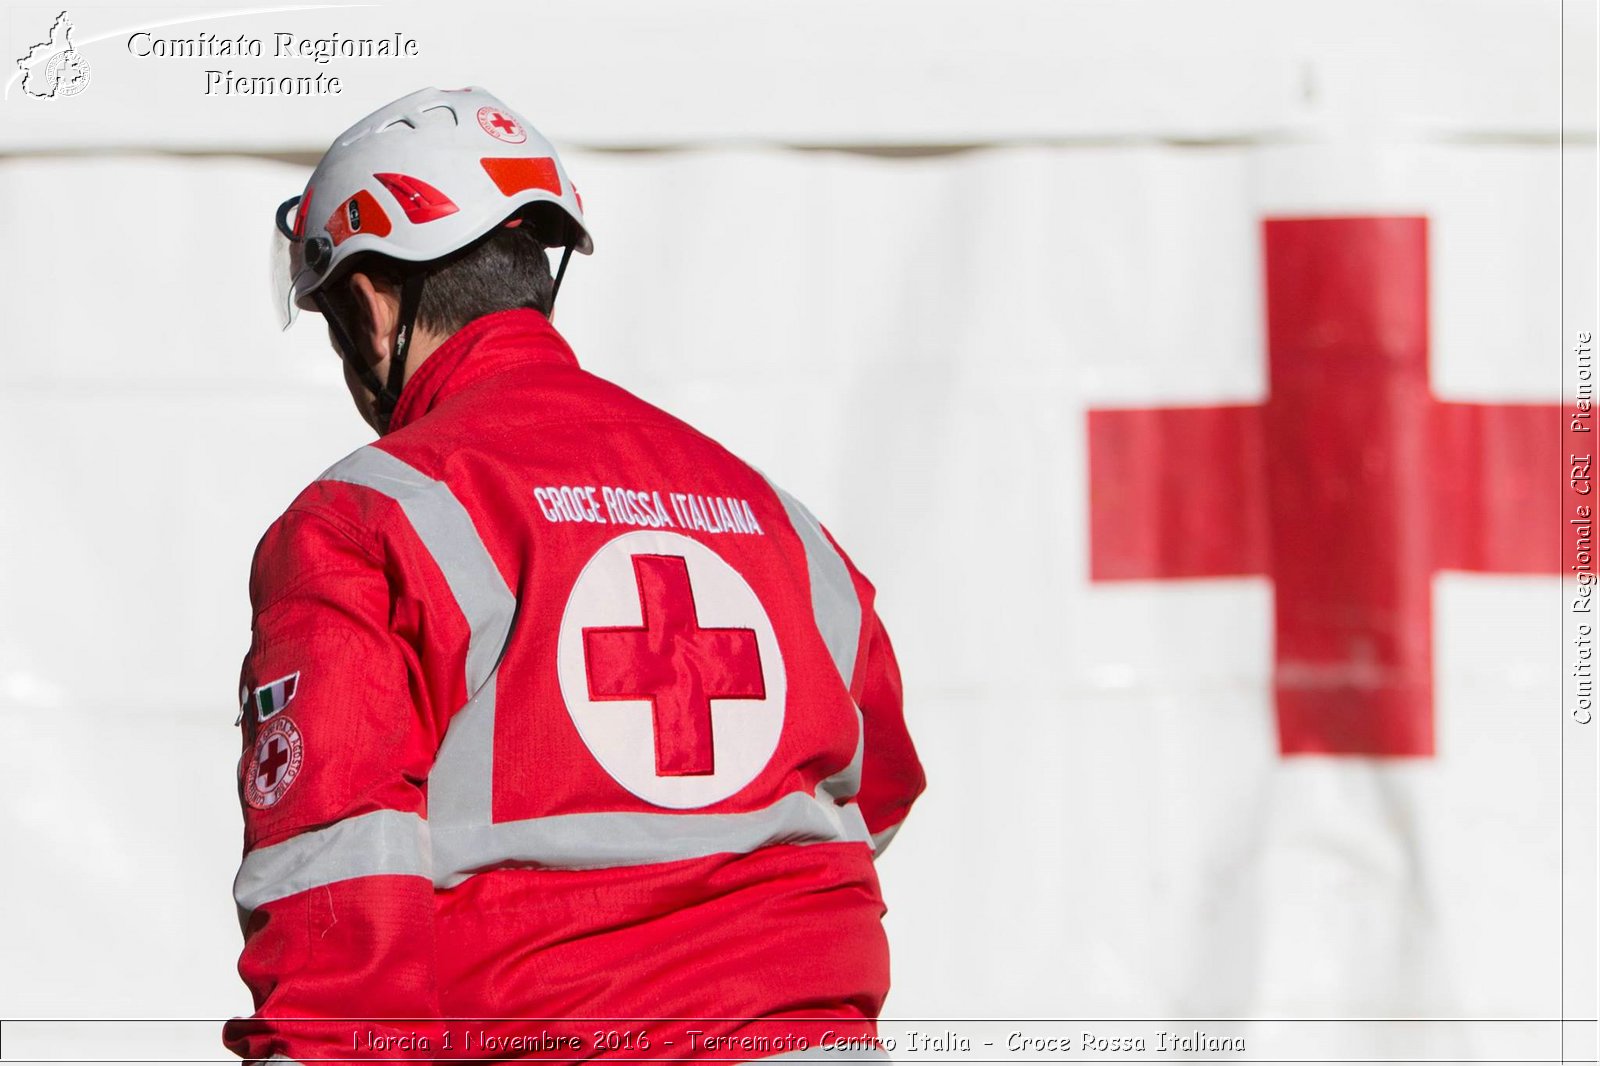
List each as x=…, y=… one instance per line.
x=418, y=179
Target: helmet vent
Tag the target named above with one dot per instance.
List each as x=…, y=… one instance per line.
x=420, y=201
x=407, y=123
x=431, y=113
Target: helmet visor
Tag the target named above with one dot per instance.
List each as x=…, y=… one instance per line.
x=284, y=263
x=284, y=309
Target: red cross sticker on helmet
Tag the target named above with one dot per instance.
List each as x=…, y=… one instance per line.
x=501, y=126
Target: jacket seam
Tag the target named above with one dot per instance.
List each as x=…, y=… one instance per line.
x=338, y=524
x=349, y=530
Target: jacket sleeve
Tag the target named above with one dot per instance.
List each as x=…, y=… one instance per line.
x=891, y=774
x=334, y=894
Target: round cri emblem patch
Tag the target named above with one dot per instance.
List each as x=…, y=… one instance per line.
x=501, y=126
x=274, y=764
x=670, y=669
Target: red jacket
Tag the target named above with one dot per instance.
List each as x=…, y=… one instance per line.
x=557, y=710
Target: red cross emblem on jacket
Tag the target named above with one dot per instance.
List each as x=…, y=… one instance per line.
x=675, y=664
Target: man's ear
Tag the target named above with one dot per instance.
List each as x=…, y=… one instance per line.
x=380, y=306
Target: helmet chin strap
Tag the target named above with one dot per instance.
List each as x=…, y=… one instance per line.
x=386, y=394
x=410, y=301
x=566, y=254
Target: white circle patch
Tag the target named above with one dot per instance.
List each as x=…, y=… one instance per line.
x=670, y=669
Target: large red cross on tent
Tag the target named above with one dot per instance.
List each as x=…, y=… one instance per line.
x=1349, y=487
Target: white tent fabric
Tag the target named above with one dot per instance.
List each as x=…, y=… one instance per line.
x=911, y=346
x=910, y=343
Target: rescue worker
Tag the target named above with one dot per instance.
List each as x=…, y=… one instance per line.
x=554, y=710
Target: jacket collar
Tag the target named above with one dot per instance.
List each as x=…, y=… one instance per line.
x=483, y=347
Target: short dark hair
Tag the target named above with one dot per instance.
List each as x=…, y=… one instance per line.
x=506, y=269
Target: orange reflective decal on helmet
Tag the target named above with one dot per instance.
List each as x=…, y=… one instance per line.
x=359, y=214
x=420, y=201
x=299, y=229
x=512, y=176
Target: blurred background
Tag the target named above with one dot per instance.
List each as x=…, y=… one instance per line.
x=1186, y=375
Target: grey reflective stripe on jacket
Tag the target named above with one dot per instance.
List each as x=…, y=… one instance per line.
x=461, y=785
x=834, y=602
x=368, y=845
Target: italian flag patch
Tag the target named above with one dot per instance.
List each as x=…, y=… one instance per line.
x=274, y=696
